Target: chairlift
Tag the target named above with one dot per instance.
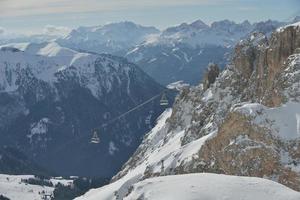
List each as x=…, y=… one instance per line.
x=148, y=120
x=95, y=138
x=164, y=100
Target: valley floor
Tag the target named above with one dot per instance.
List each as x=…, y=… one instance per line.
x=12, y=187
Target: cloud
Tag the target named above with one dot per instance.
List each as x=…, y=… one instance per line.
x=56, y=30
x=37, y=7
x=2, y=30
x=248, y=8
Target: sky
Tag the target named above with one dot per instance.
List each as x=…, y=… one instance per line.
x=58, y=16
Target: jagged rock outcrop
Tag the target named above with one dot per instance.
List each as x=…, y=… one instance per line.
x=210, y=76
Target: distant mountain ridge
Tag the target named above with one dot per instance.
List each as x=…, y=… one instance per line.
x=178, y=53
x=183, y=52
x=110, y=38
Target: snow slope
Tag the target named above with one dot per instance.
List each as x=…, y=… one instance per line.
x=204, y=186
x=210, y=187
x=12, y=187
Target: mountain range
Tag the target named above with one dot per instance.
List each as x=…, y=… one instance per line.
x=178, y=53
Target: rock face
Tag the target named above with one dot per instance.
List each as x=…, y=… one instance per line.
x=211, y=75
x=245, y=123
x=51, y=98
x=262, y=61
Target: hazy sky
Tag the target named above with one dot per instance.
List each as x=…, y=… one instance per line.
x=32, y=16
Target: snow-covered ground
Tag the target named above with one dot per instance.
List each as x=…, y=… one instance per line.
x=12, y=187
x=280, y=29
x=178, y=85
x=284, y=121
x=204, y=186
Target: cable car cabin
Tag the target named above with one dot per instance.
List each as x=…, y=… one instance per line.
x=164, y=100
x=148, y=120
x=95, y=138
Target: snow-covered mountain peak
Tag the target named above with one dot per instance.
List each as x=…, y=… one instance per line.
x=185, y=27
x=221, y=33
x=108, y=38
x=53, y=49
x=223, y=24
x=45, y=61
x=199, y=25
x=21, y=46
x=128, y=25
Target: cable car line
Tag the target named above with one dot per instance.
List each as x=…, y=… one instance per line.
x=131, y=110
x=95, y=138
